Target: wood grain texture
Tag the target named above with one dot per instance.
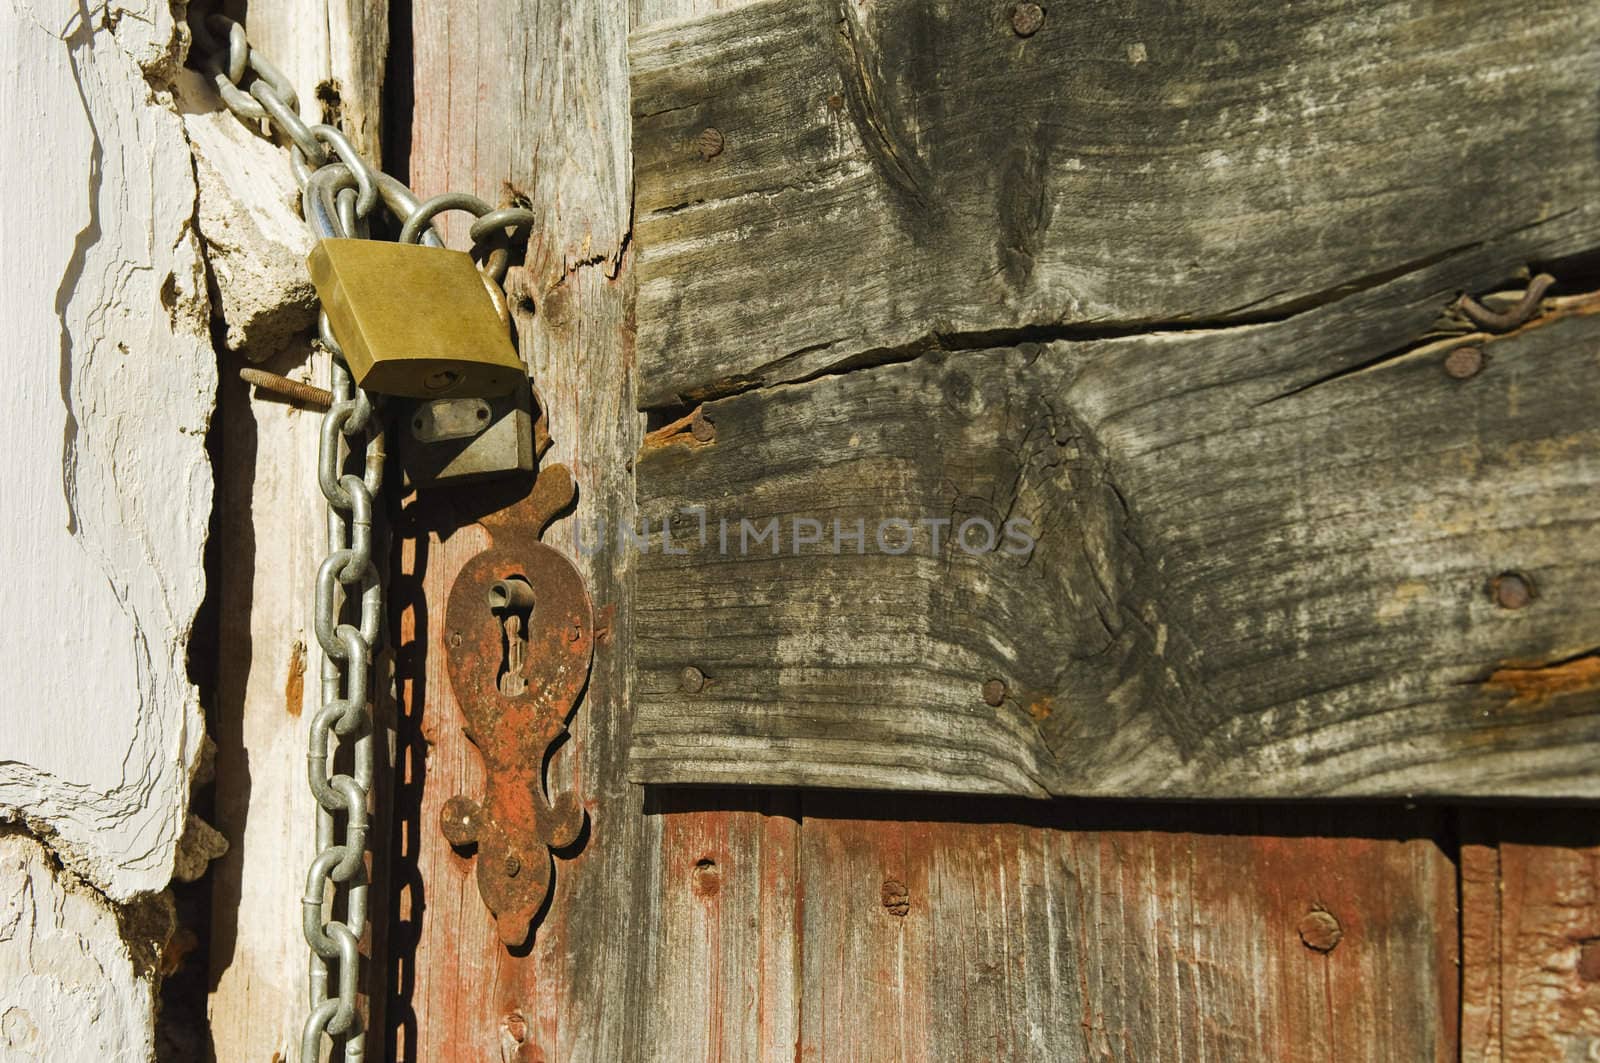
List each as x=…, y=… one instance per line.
x=1085, y=931
x=642, y=954
x=1530, y=925
x=336, y=55
x=901, y=175
x=1262, y=566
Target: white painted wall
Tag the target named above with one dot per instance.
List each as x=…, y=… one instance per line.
x=105, y=487
x=68, y=987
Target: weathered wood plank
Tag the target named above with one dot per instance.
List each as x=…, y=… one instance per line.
x=1263, y=566
x=729, y=930
x=607, y=976
x=1530, y=926
x=271, y=526
x=898, y=175
x=1082, y=932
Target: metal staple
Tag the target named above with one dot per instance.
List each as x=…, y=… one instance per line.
x=340, y=191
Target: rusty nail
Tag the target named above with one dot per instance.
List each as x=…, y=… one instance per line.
x=288, y=388
x=513, y=867
x=707, y=880
x=1320, y=931
x=994, y=692
x=517, y=1027
x=895, y=897
x=1511, y=590
x=1506, y=320
x=710, y=142
x=692, y=680
x=702, y=430
x=1026, y=19
x=1464, y=363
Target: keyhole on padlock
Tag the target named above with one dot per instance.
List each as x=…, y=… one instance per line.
x=443, y=380
x=511, y=601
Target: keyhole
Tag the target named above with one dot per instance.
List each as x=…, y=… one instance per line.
x=511, y=601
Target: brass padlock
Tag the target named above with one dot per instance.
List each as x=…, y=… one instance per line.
x=421, y=322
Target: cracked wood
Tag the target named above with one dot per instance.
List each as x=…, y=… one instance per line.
x=911, y=174
x=1263, y=567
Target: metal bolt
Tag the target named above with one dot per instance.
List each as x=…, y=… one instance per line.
x=994, y=692
x=702, y=430
x=1320, y=931
x=513, y=867
x=1464, y=363
x=692, y=680
x=1026, y=19
x=288, y=388
x=1511, y=590
x=710, y=142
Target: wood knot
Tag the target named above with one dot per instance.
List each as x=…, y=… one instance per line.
x=1320, y=931
x=895, y=897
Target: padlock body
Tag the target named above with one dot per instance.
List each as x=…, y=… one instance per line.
x=415, y=321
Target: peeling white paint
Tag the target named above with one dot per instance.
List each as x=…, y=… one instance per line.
x=68, y=986
x=106, y=489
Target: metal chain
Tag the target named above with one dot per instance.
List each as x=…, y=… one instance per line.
x=340, y=192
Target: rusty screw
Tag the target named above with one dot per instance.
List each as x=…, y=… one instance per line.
x=692, y=680
x=994, y=692
x=1026, y=18
x=1464, y=363
x=1320, y=931
x=513, y=867
x=1511, y=590
x=710, y=142
x=288, y=388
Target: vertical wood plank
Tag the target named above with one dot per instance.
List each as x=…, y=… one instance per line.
x=1530, y=935
x=271, y=538
x=729, y=927
x=1087, y=933
x=529, y=104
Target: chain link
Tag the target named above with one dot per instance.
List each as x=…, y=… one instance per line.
x=340, y=191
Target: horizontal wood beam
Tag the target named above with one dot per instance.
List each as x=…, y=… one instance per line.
x=817, y=184
x=1268, y=560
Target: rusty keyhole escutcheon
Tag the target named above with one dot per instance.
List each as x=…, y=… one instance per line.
x=520, y=639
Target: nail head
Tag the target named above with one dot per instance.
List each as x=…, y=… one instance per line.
x=1320, y=931
x=994, y=692
x=1511, y=590
x=692, y=680
x=710, y=142
x=1464, y=363
x=1026, y=18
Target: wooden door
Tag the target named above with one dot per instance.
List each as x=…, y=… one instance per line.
x=1178, y=284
